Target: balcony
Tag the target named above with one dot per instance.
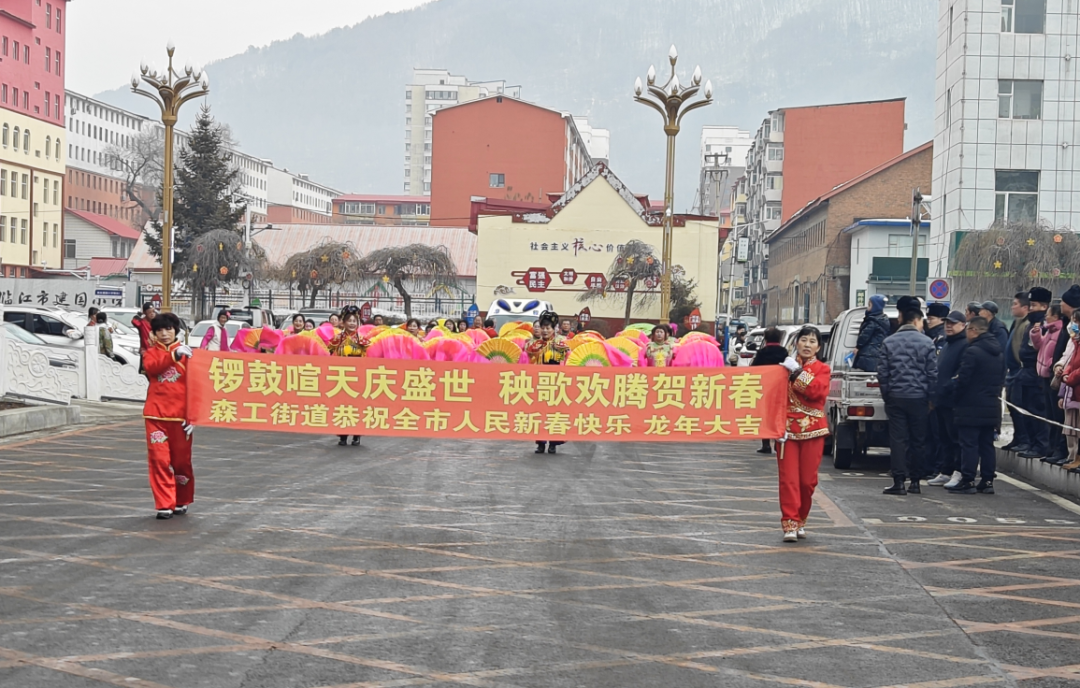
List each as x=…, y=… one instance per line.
x=773, y=166
x=773, y=195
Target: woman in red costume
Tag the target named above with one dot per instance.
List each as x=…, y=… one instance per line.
x=547, y=348
x=799, y=453
x=168, y=434
x=349, y=343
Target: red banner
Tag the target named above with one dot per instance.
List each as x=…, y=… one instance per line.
x=404, y=398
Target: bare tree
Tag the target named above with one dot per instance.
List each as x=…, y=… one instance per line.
x=414, y=262
x=635, y=264
x=329, y=263
x=140, y=161
x=217, y=258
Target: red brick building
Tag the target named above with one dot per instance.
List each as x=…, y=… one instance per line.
x=501, y=148
x=810, y=254
x=829, y=144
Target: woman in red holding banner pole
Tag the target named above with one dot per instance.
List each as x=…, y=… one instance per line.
x=799, y=451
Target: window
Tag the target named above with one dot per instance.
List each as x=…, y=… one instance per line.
x=773, y=211
x=26, y=54
x=48, y=143
x=48, y=112
x=3, y=93
x=774, y=181
x=15, y=52
x=4, y=49
x=777, y=125
x=26, y=140
x=1017, y=198
x=948, y=108
x=46, y=324
x=57, y=20
x=56, y=192
x=1023, y=16
x=48, y=16
x=3, y=190
x=1019, y=99
x=57, y=63
x=25, y=186
x=56, y=109
x=56, y=236
x=776, y=151
x=69, y=249
x=408, y=94
x=900, y=246
x=13, y=237
x=950, y=23
x=496, y=181
x=45, y=192
x=24, y=232
x=5, y=135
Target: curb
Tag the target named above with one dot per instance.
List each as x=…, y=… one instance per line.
x=1051, y=477
x=35, y=418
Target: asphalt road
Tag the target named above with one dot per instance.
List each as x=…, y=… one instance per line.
x=442, y=563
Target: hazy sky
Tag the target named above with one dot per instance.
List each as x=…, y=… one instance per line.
x=107, y=39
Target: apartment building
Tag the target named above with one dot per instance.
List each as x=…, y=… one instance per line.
x=1006, y=119
x=32, y=136
x=430, y=91
x=295, y=199
x=375, y=209
x=800, y=153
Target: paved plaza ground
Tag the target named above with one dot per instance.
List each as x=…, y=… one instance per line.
x=452, y=563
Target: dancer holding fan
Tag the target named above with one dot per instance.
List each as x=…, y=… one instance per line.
x=547, y=348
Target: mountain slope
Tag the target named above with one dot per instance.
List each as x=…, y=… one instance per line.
x=332, y=106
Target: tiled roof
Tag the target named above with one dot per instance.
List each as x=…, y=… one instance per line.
x=287, y=240
x=103, y=267
x=109, y=224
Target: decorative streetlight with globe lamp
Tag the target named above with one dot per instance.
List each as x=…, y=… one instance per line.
x=672, y=101
x=170, y=90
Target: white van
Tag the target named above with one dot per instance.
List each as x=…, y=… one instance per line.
x=506, y=310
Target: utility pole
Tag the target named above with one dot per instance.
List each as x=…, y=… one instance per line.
x=916, y=225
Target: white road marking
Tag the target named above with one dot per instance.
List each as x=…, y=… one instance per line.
x=1060, y=501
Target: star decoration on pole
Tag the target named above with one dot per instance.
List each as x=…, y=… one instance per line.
x=997, y=264
x=1030, y=242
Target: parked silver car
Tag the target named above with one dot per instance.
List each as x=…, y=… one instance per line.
x=59, y=356
x=62, y=328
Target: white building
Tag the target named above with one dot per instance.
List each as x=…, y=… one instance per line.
x=597, y=141
x=92, y=127
x=431, y=90
x=881, y=259
x=302, y=199
x=1006, y=127
x=724, y=142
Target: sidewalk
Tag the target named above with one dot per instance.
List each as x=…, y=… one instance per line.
x=1053, y=478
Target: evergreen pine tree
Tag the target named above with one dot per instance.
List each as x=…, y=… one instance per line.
x=204, y=182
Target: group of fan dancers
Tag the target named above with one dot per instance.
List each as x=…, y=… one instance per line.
x=169, y=433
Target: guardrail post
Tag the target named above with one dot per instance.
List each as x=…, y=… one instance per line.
x=90, y=371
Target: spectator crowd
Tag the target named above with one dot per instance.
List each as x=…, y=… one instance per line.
x=942, y=375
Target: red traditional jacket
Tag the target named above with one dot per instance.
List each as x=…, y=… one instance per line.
x=167, y=397
x=806, y=402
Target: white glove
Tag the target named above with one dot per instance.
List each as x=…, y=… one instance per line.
x=182, y=351
x=782, y=439
x=791, y=364
x=189, y=429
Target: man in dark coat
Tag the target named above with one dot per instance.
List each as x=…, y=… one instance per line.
x=873, y=330
x=978, y=408
x=772, y=353
x=1020, y=308
x=907, y=375
x=989, y=310
x=1031, y=395
x=948, y=454
x=935, y=323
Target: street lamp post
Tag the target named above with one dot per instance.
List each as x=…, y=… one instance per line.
x=672, y=101
x=170, y=90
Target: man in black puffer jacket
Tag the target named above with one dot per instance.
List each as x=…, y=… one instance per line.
x=907, y=375
x=773, y=353
x=977, y=408
x=947, y=456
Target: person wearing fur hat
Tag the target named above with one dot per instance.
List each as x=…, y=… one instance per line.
x=1027, y=384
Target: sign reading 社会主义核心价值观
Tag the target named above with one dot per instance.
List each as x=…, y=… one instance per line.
x=484, y=400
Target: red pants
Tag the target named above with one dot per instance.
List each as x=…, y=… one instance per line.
x=168, y=450
x=798, y=461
